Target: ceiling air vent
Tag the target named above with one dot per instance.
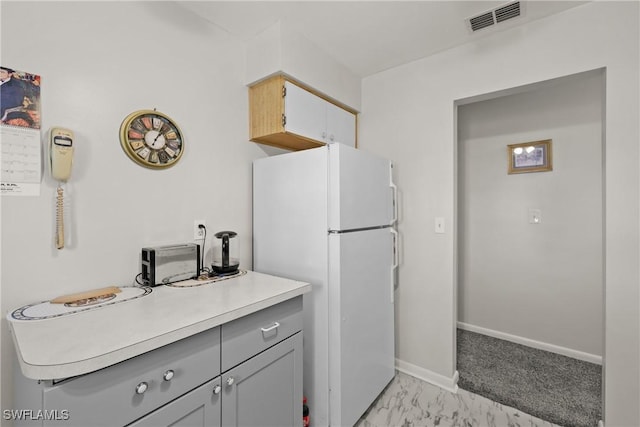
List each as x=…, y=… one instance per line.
x=509, y=11
x=481, y=21
x=495, y=16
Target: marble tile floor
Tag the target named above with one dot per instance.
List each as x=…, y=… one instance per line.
x=410, y=402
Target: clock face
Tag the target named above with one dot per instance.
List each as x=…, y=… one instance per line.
x=151, y=139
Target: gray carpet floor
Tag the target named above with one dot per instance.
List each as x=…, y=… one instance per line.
x=555, y=388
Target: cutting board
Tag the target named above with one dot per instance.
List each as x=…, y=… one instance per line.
x=96, y=293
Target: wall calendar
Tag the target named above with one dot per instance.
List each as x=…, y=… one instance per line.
x=21, y=154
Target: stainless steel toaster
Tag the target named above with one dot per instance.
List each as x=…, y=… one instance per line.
x=171, y=263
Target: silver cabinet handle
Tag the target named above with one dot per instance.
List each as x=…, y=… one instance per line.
x=230, y=381
x=217, y=389
x=142, y=387
x=271, y=328
x=168, y=375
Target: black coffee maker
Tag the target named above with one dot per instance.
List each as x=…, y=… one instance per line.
x=223, y=263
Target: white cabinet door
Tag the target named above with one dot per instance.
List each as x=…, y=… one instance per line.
x=341, y=125
x=305, y=113
x=313, y=117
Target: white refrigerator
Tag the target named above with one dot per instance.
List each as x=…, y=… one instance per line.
x=325, y=216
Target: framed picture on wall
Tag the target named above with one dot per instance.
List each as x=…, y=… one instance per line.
x=530, y=157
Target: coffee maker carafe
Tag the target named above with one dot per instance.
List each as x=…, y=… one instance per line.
x=224, y=261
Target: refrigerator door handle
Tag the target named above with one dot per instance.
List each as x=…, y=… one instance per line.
x=394, y=265
x=394, y=189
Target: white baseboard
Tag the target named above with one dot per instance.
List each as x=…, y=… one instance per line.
x=580, y=355
x=442, y=381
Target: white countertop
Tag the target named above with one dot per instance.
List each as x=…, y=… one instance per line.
x=86, y=341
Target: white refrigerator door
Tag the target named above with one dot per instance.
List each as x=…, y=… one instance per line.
x=360, y=189
x=361, y=321
x=290, y=240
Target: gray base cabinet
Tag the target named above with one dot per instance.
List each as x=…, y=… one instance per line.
x=198, y=408
x=266, y=390
x=122, y=393
x=261, y=392
x=247, y=372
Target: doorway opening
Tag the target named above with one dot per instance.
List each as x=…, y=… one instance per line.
x=530, y=246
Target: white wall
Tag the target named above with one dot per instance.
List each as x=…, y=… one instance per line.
x=540, y=282
x=280, y=49
x=408, y=116
x=99, y=61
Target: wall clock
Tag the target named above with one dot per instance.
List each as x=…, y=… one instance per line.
x=151, y=139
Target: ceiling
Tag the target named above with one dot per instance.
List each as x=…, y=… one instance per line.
x=370, y=36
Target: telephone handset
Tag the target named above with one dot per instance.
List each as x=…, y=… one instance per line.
x=61, y=157
x=61, y=153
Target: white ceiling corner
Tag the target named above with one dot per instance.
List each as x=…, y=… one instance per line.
x=369, y=36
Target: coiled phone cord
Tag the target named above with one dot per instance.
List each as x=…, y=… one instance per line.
x=60, y=218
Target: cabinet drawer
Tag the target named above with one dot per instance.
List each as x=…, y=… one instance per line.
x=249, y=335
x=110, y=396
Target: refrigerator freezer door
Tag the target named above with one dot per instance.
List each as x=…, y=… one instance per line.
x=361, y=321
x=360, y=189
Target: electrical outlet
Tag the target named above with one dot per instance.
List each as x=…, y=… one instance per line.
x=535, y=216
x=198, y=233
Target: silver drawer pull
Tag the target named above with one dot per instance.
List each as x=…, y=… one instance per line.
x=271, y=328
x=230, y=381
x=217, y=389
x=168, y=375
x=142, y=387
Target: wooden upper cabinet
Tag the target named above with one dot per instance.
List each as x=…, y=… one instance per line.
x=287, y=115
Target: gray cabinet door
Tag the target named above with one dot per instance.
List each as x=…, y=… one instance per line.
x=266, y=390
x=198, y=408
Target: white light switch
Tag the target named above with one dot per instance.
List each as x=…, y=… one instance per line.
x=535, y=216
x=439, y=225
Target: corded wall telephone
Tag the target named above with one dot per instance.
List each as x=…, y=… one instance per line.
x=61, y=146
x=61, y=157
